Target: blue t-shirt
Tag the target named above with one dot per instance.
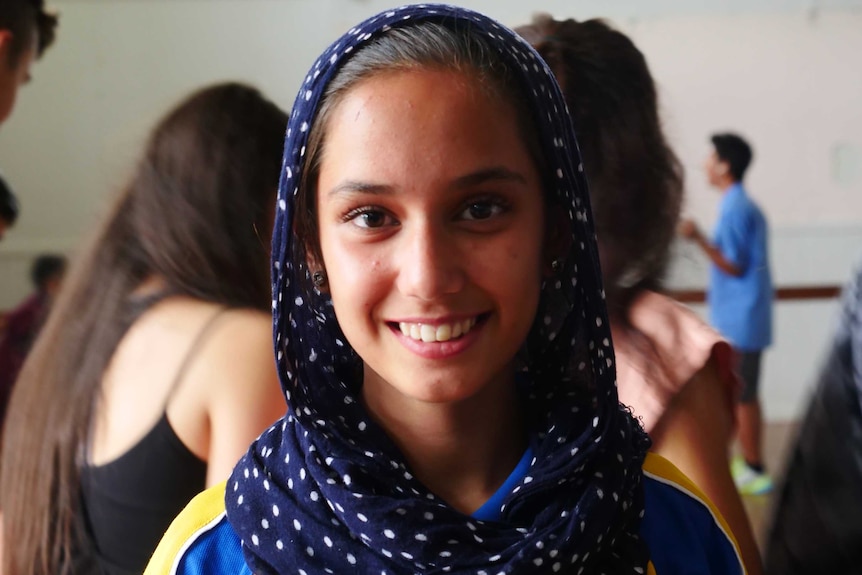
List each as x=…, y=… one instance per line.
x=740, y=308
x=685, y=533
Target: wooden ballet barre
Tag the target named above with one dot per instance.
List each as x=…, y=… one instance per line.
x=781, y=294
x=699, y=296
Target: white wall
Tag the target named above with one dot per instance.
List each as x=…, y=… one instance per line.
x=782, y=72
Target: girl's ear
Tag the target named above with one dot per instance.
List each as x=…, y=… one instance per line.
x=5, y=45
x=558, y=240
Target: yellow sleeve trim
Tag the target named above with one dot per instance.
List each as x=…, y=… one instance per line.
x=663, y=470
x=207, y=508
x=202, y=512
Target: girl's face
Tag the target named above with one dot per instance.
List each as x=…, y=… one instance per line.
x=431, y=219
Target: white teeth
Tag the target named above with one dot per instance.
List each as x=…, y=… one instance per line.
x=443, y=332
x=429, y=334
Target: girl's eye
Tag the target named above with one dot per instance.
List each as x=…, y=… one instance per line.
x=370, y=218
x=481, y=210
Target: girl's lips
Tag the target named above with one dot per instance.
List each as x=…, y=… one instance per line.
x=440, y=346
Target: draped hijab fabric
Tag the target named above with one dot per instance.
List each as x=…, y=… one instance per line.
x=326, y=491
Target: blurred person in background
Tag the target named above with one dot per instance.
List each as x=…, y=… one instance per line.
x=155, y=368
x=26, y=31
x=24, y=322
x=816, y=527
x=740, y=295
x=673, y=370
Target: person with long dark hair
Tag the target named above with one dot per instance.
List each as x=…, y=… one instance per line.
x=441, y=337
x=153, y=371
x=673, y=370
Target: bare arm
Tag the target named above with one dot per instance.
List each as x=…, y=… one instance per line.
x=694, y=435
x=245, y=396
x=689, y=230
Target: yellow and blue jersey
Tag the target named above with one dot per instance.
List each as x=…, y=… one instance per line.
x=685, y=533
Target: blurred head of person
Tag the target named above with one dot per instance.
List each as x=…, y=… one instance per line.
x=634, y=177
x=47, y=273
x=729, y=160
x=194, y=220
x=26, y=31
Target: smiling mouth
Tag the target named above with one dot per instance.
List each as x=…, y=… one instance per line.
x=440, y=332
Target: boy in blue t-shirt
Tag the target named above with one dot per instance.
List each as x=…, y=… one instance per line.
x=740, y=293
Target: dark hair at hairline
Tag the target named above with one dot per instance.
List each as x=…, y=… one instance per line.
x=427, y=45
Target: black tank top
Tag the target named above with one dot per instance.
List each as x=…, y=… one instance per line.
x=129, y=502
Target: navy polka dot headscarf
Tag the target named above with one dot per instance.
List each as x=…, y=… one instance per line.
x=326, y=491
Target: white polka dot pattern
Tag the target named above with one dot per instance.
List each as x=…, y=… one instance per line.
x=328, y=491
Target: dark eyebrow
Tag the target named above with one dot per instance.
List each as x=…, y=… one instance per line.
x=355, y=187
x=497, y=174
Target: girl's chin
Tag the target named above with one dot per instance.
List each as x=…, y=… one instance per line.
x=418, y=392
x=423, y=389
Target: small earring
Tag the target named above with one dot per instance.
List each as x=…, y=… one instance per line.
x=556, y=265
x=318, y=278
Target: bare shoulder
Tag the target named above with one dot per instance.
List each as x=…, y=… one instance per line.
x=244, y=328
x=238, y=387
x=222, y=335
x=240, y=345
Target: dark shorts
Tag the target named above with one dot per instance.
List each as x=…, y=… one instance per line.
x=749, y=373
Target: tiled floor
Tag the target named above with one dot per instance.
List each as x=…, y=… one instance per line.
x=778, y=438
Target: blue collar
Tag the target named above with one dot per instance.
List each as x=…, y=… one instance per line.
x=491, y=510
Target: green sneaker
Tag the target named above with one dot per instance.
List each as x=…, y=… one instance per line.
x=747, y=480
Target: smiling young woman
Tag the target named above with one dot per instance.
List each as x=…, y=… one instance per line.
x=441, y=337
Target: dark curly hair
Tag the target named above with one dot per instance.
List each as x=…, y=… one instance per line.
x=636, y=181
x=24, y=18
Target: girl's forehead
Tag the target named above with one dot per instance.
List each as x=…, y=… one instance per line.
x=445, y=89
x=476, y=87
x=389, y=126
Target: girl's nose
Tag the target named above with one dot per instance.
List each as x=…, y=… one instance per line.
x=430, y=263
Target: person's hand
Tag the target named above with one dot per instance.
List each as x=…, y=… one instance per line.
x=688, y=229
